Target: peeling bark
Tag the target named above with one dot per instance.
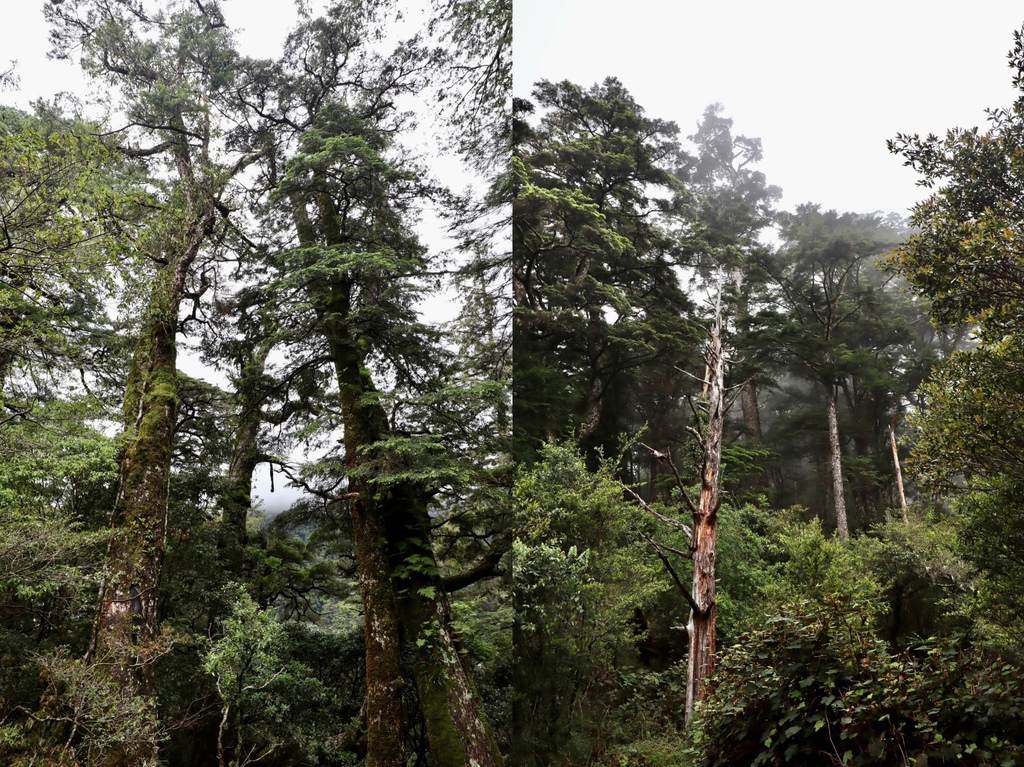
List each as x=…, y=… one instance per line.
x=701, y=626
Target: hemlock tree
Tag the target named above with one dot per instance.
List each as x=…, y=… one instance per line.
x=595, y=251
x=169, y=68
x=341, y=198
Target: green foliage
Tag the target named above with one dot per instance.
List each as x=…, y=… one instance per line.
x=92, y=711
x=579, y=572
x=973, y=427
x=597, y=297
x=923, y=576
x=817, y=686
x=749, y=554
x=819, y=566
x=965, y=258
x=990, y=537
x=271, y=702
x=661, y=751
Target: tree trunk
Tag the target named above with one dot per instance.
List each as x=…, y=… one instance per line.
x=899, y=472
x=452, y=710
x=835, y=458
x=403, y=599
x=236, y=503
x=751, y=414
x=364, y=423
x=126, y=629
x=385, y=728
x=701, y=626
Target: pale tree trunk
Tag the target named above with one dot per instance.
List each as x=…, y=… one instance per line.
x=700, y=595
x=701, y=626
x=899, y=472
x=835, y=458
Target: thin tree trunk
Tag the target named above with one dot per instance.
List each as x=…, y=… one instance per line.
x=701, y=626
x=899, y=472
x=835, y=458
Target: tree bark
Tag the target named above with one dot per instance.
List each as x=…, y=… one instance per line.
x=701, y=626
x=403, y=599
x=404, y=602
x=899, y=472
x=751, y=413
x=125, y=629
x=236, y=503
x=835, y=458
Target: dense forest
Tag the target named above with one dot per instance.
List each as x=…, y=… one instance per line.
x=720, y=557
x=258, y=221
x=749, y=497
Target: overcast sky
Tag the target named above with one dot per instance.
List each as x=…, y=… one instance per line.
x=263, y=26
x=822, y=84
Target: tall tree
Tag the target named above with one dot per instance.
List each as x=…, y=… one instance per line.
x=169, y=69
x=735, y=207
x=597, y=295
x=965, y=258
x=343, y=197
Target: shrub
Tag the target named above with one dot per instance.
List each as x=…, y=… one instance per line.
x=818, y=687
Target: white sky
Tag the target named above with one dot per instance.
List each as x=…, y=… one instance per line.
x=822, y=84
x=262, y=26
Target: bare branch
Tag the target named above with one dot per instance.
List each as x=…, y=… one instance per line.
x=675, y=576
x=667, y=458
x=646, y=507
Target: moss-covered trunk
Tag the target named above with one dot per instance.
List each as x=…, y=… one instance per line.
x=364, y=423
x=452, y=710
x=125, y=638
x=126, y=630
x=403, y=600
